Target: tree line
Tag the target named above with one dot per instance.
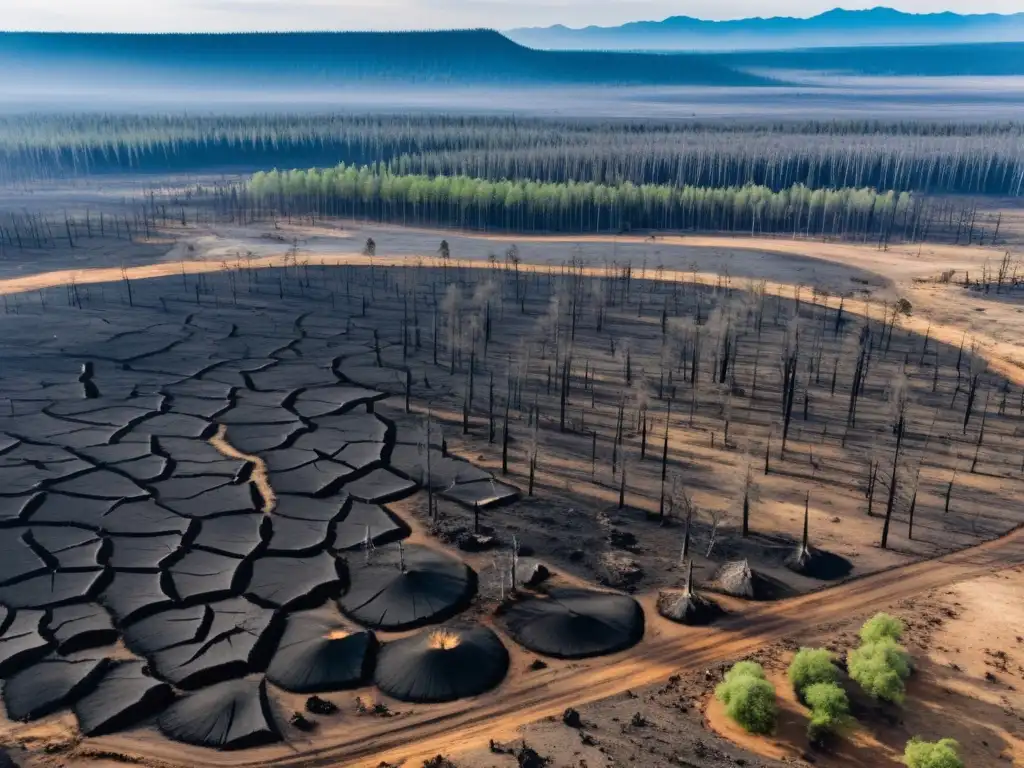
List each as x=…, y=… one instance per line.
x=937, y=157
x=372, y=192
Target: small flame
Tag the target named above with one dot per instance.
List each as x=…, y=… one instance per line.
x=442, y=640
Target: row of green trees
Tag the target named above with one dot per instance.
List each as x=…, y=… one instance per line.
x=936, y=157
x=879, y=665
x=374, y=192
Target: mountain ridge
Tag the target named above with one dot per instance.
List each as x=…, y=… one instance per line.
x=340, y=58
x=874, y=26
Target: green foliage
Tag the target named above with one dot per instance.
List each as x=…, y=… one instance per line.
x=379, y=191
x=880, y=669
x=745, y=669
x=881, y=626
x=941, y=754
x=810, y=666
x=829, y=708
x=749, y=699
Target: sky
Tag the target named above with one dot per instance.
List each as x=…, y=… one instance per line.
x=279, y=15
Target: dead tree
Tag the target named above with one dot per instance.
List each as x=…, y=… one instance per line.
x=748, y=488
x=789, y=369
x=899, y=427
x=981, y=434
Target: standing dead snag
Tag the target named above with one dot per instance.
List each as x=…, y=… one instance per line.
x=981, y=434
x=872, y=484
x=622, y=484
x=664, y=461
x=428, y=480
x=789, y=368
x=859, y=374
x=748, y=491
x=977, y=369
x=490, y=411
x=504, y=430
x=899, y=395
x=913, y=504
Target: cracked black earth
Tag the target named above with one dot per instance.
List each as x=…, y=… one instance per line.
x=182, y=470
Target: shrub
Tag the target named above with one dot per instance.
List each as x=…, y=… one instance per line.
x=881, y=626
x=810, y=666
x=940, y=754
x=829, y=708
x=745, y=669
x=749, y=699
x=880, y=669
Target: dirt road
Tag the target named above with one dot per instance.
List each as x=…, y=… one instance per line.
x=668, y=650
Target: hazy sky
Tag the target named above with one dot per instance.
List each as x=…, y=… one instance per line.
x=236, y=15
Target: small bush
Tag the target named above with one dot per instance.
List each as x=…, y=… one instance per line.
x=829, y=708
x=745, y=669
x=940, y=754
x=881, y=626
x=749, y=699
x=810, y=666
x=880, y=669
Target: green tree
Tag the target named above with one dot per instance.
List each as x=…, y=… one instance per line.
x=880, y=669
x=829, y=706
x=809, y=667
x=881, y=626
x=745, y=669
x=749, y=699
x=940, y=754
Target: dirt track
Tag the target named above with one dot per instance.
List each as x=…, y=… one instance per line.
x=470, y=724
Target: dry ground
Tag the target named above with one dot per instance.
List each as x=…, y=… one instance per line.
x=568, y=522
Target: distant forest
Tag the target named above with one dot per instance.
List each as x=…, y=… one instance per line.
x=921, y=157
x=309, y=59
x=953, y=60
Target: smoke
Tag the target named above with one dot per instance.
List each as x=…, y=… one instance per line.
x=898, y=396
x=483, y=293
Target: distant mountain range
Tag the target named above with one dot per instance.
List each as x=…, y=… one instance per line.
x=318, y=60
x=835, y=28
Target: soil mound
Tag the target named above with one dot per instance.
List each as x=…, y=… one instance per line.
x=407, y=588
x=314, y=656
x=691, y=609
x=442, y=665
x=124, y=697
x=569, y=623
x=738, y=579
x=231, y=715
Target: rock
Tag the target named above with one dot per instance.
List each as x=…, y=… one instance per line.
x=538, y=665
x=301, y=722
x=536, y=575
x=572, y=718
x=619, y=571
x=621, y=539
x=528, y=757
x=475, y=542
x=317, y=706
